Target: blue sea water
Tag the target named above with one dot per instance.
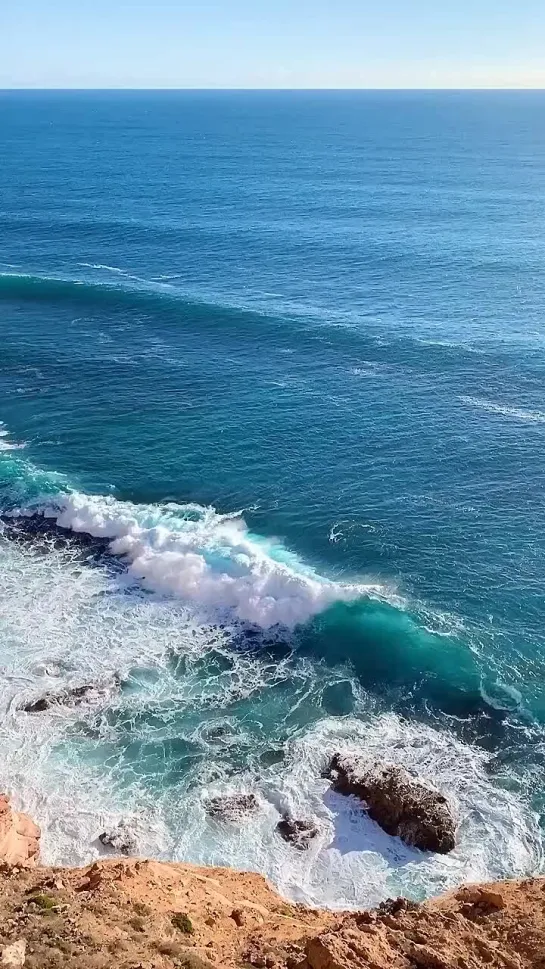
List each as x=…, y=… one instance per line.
x=286, y=353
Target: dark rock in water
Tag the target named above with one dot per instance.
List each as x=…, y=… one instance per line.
x=401, y=804
x=338, y=698
x=232, y=807
x=299, y=833
x=216, y=733
x=120, y=839
x=38, y=706
x=70, y=697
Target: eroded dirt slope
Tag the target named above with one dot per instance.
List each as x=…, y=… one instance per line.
x=152, y=915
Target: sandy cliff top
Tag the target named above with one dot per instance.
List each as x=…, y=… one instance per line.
x=152, y=915
x=136, y=914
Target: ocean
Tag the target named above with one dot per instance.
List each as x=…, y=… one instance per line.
x=272, y=456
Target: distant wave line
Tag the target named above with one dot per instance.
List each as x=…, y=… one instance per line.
x=20, y=285
x=518, y=413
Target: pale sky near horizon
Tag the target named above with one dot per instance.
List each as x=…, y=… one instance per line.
x=272, y=44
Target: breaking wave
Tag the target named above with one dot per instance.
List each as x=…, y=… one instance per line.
x=205, y=558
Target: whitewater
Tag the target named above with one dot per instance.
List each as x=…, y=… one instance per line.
x=186, y=647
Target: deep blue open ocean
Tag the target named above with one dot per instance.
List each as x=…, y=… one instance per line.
x=272, y=463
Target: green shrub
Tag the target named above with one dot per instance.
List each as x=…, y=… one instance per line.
x=45, y=902
x=183, y=923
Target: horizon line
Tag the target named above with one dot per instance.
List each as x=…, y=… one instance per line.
x=278, y=90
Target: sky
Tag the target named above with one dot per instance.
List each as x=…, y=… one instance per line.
x=272, y=44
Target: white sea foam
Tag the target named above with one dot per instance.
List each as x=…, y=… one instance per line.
x=7, y=445
x=204, y=558
x=340, y=531
x=98, y=265
x=449, y=344
x=353, y=861
x=81, y=770
x=517, y=413
x=10, y=446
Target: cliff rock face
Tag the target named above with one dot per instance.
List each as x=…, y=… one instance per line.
x=499, y=926
x=129, y=914
x=404, y=806
x=132, y=914
x=19, y=836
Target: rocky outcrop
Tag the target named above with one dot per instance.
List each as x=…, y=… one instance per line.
x=298, y=832
x=500, y=926
x=232, y=807
x=19, y=836
x=119, y=839
x=401, y=804
x=71, y=696
x=132, y=914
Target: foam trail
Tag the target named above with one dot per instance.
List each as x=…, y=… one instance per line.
x=98, y=265
x=204, y=558
x=518, y=413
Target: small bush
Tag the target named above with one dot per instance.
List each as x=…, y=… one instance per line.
x=191, y=961
x=137, y=923
x=141, y=908
x=183, y=923
x=45, y=902
x=172, y=949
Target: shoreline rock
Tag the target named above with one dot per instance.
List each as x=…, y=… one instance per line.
x=19, y=836
x=297, y=832
x=401, y=804
x=137, y=914
x=71, y=696
x=231, y=807
x=120, y=839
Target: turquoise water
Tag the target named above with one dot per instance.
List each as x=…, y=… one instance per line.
x=274, y=363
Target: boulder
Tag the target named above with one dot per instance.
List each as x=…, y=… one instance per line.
x=72, y=696
x=298, y=832
x=482, y=896
x=120, y=839
x=19, y=837
x=401, y=804
x=14, y=955
x=232, y=807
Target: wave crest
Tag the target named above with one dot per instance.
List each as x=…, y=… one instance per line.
x=209, y=559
